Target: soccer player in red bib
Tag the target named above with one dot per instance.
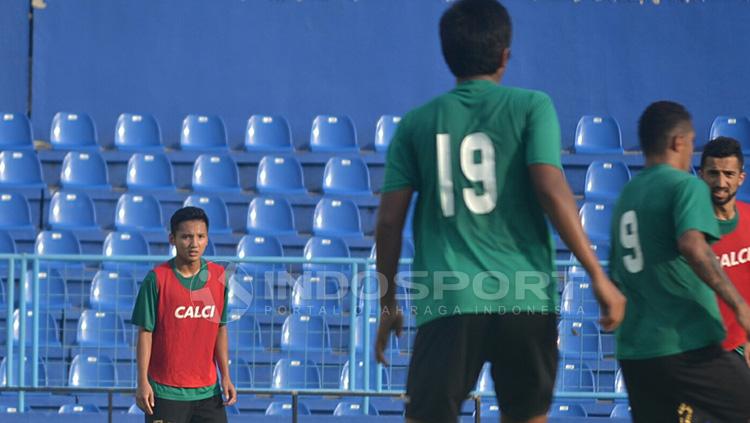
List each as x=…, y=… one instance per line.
x=182, y=337
x=722, y=169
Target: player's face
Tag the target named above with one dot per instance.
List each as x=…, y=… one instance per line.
x=190, y=240
x=723, y=176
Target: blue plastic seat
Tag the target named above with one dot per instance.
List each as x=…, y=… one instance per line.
x=125, y=244
x=577, y=272
x=605, y=180
x=258, y=246
x=138, y=213
x=250, y=293
x=622, y=411
x=73, y=131
x=215, y=173
x=49, y=333
x=489, y=409
x=620, y=387
x=359, y=373
x=596, y=219
x=316, y=295
x=137, y=132
x=20, y=169
x=15, y=213
x=284, y=408
x=346, y=176
x=295, y=374
x=598, y=135
x=100, y=329
x=73, y=211
x=304, y=334
x=326, y=247
x=135, y=410
x=57, y=242
x=27, y=372
x=333, y=134
x=268, y=133
x=384, y=131
x=361, y=344
x=579, y=339
x=485, y=383
x=352, y=409
x=244, y=332
x=53, y=291
x=578, y=301
x=737, y=127
x=7, y=245
x=111, y=291
x=567, y=409
x=280, y=175
x=216, y=210
x=337, y=218
x=574, y=377
x=92, y=371
x=78, y=409
x=203, y=133
x=270, y=216
x=241, y=373
x=15, y=132
x=84, y=170
x=149, y=172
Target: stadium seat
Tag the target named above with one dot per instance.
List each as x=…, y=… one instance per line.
x=489, y=409
x=125, y=244
x=53, y=291
x=49, y=333
x=113, y=292
x=137, y=132
x=15, y=213
x=326, y=247
x=337, y=218
x=244, y=332
x=620, y=387
x=27, y=372
x=57, y=242
x=384, y=131
x=270, y=216
x=598, y=135
x=78, y=409
x=258, y=246
x=605, y=180
x=15, y=132
x=579, y=339
x=295, y=374
x=360, y=377
x=305, y=334
x=622, y=411
x=250, y=293
x=577, y=272
x=203, y=133
x=737, y=127
x=567, y=409
x=346, y=177
x=135, y=410
x=7, y=246
x=333, y=134
x=316, y=295
x=215, y=173
x=578, y=301
x=361, y=344
x=149, y=172
x=268, y=134
x=485, y=383
x=72, y=211
x=216, y=210
x=284, y=408
x=101, y=329
x=92, y=371
x=138, y=213
x=20, y=169
x=73, y=131
x=280, y=175
x=574, y=377
x=596, y=218
x=84, y=171
x=353, y=409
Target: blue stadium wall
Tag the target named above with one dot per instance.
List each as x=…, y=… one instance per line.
x=14, y=55
x=365, y=58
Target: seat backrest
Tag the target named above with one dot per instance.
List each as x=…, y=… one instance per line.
x=84, y=170
x=216, y=210
x=259, y=246
x=574, y=377
x=57, y=242
x=78, y=409
x=295, y=374
x=333, y=134
x=241, y=373
x=567, y=409
x=137, y=132
x=149, y=171
x=337, y=217
x=485, y=383
x=138, y=212
x=53, y=291
x=303, y=333
x=203, y=133
x=7, y=245
x=125, y=244
x=346, y=408
x=69, y=210
x=112, y=291
x=598, y=135
x=20, y=169
x=92, y=371
x=243, y=331
x=215, y=172
x=384, y=131
x=270, y=216
x=268, y=133
x=325, y=247
x=596, y=218
x=314, y=294
x=284, y=408
x=605, y=180
x=249, y=292
x=15, y=212
x=49, y=333
x=27, y=372
x=359, y=373
x=280, y=175
x=621, y=410
x=579, y=339
x=15, y=132
x=346, y=176
x=102, y=329
x=73, y=131
x=737, y=127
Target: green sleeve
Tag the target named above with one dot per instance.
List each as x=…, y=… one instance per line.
x=224, y=313
x=400, y=168
x=693, y=210
x=144, y=312
x=542, y=133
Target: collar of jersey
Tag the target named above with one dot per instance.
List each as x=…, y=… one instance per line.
x=194, y=282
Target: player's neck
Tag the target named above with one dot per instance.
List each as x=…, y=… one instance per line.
x=666, y=159
x=725, y=211
x=187, y=268
x=491, y=78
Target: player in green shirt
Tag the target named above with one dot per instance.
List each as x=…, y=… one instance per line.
x=485, y=160
x=669, y=343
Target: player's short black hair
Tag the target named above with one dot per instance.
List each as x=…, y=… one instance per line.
x=473, y=35
x=657, y=121
x=722, y=147
x=185, y=214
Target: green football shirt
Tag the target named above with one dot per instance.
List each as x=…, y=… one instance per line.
x=482, y=242
x=670, y=309
x=144, y=315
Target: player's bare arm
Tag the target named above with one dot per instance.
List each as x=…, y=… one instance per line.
x=144, y=394
x=222, y=360
x=693, y=246
x=388, y=236
x=557, y=200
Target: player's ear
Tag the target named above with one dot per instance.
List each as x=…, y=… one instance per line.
x=171, y=238
x=741, y=178
x=505, y=58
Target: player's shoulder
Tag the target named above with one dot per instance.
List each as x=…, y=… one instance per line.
x=743, y=208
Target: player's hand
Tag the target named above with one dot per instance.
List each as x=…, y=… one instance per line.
x=611, y=303
x=230, y=393
x=144, y=398
x=391, y=320
x=747, y=353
